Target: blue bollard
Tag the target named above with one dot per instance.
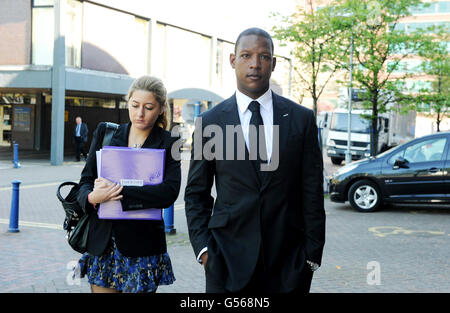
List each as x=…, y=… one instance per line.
x=14, y=214
x=168, y=220
x=197, y=108
x=16, y=155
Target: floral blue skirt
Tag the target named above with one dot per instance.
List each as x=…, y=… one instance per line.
x=126, y=274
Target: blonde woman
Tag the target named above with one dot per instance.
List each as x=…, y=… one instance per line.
x=131, y=255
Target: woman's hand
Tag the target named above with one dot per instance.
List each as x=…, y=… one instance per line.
x=105, y=190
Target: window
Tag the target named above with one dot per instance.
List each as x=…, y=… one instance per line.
x=192, y=66
x=431, y=8
x=410, y=27
x=114, y=41
x=401, y=27
x=73, y=34
x=42, y=35
x=219, y=56
x=140, y=39
x=43, y=32
x=411, y=66
x=225, y=74
x=424, y=8
x=37, y=3
x=339, y=122
x=417, y=86
x=424, y=151
x=123, y=104
x=98, y=102
x=443, y=7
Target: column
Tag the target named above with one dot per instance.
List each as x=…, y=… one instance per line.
x=58, y=86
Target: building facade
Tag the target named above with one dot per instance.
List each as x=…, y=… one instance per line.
x=65, y=58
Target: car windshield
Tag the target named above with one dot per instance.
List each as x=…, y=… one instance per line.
x=339, y=122
x=396, y=148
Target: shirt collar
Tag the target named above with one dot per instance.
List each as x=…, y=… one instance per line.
x=265, y=101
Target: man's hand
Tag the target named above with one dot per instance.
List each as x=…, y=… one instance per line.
x=204, y=258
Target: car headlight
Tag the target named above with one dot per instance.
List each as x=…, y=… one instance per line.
x=346, y=169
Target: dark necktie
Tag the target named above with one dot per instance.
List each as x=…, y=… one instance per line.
x=258, y=143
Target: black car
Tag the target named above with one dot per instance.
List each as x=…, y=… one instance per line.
x=415, y=172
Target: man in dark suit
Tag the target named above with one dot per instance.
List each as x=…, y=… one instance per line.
x=265, y=230
x=80, y=137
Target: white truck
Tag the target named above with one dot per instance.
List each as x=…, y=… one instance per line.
x=393, y=129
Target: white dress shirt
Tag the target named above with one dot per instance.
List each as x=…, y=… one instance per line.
x=266, y=110
x=78, y=129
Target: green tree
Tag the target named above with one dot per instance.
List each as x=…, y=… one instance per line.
x=437, y=65
x=314, y=40
x=379, y=48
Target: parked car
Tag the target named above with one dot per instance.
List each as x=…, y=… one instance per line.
x=415, y=172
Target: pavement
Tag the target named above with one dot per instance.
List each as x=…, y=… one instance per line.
x=397, y=250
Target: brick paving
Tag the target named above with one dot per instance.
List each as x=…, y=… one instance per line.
x=409, y=243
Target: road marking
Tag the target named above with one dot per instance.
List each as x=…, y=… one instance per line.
x=34, y=224
x=177, y=207
x=383, y=231
x=32, y=186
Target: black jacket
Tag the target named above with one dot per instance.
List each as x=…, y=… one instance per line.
x=133, y=237
x=83, y=132
x=281, y=217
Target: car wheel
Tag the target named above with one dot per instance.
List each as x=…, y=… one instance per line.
x=364, y=196
x=336, y=161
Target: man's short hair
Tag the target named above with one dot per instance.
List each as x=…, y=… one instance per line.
x=253, y=31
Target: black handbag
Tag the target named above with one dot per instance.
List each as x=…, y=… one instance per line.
x=76, y=222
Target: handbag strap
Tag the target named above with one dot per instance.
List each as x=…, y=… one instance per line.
x=109, y=132
x=58, y=192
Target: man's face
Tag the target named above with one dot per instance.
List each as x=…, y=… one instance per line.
x=253, y=64
x=78, y=120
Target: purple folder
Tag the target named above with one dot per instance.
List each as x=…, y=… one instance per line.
x=130, y=167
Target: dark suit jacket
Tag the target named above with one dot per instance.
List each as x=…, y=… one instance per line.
x=281, y=217
x=133, y=237
x=83, y=132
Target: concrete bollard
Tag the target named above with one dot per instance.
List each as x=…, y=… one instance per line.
x=16, y=155
x=14, y=214
x=168, y=220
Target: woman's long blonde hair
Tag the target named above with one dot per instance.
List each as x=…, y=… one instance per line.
x=156, y=87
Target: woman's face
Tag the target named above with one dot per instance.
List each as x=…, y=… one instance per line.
x=143, y=109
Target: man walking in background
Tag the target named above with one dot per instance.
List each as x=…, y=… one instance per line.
x=265, y=230
x=80, y=138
